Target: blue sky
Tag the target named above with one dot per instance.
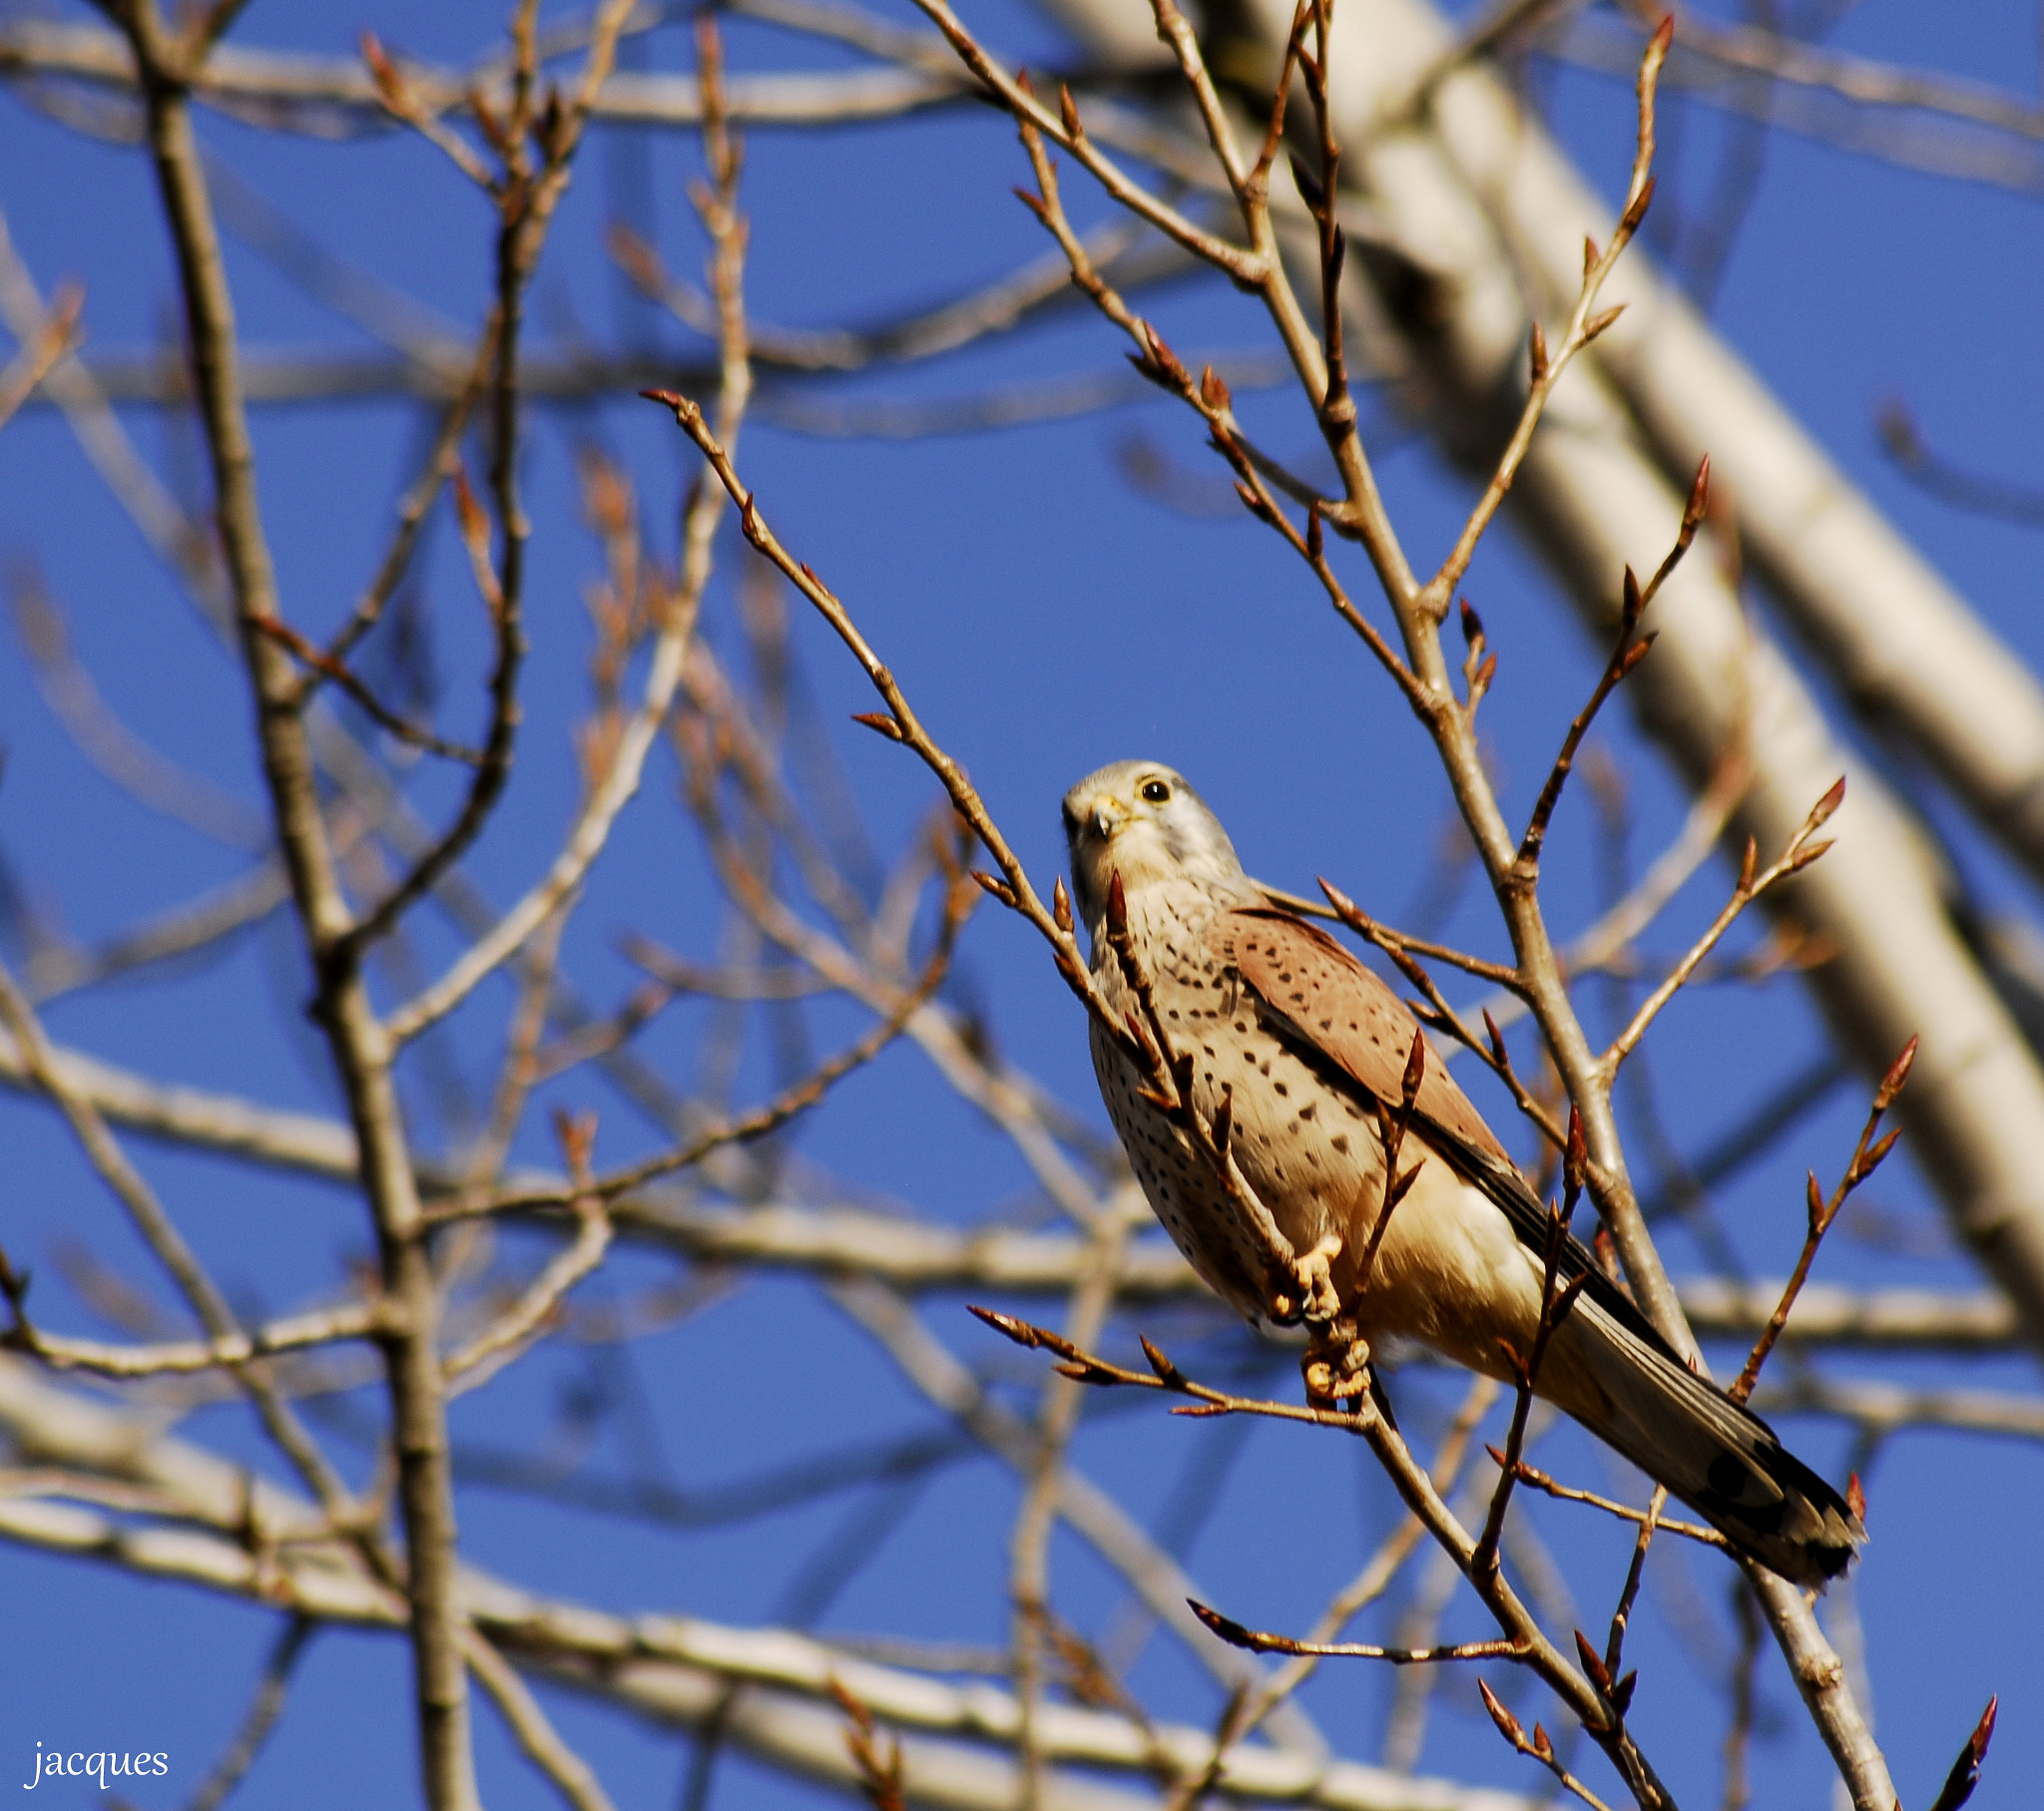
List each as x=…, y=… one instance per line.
x=1046, y=617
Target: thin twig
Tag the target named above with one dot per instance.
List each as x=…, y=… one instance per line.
x=1586, y=323
x=1866, y=1159
x=1540, y=1481
x=1799, y=854
x=1258, y=1642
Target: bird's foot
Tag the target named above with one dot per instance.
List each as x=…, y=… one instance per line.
x=1335, y=1365
x=1306, y=1291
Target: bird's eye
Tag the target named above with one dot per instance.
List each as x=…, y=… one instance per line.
x=1156, y=791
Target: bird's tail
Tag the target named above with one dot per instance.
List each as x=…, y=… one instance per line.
x=1717, y=1456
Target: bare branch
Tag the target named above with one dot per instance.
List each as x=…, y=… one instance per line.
x=41, y=351
x=1866, y=1157
x=1799, y=854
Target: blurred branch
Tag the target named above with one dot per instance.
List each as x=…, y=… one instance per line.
x=1245, y=1714
x=264, y=1711
x=1033, y=1630
x=179, y=543
x=153, y=780
x=1862, y=80
x=530, y=1726
x=1882, y=1408
x=668, y=1668
x=40, y=351
x=1524, y=1640
x=1090, y=1512
x=146, y=1212
x=999, y=307
x=183, y=931
x=353, y=1320
x=922, y=1256
x=332, y=96
x=1932, y=473
x=1901, y=117
x=591, y=830
x=338, y=97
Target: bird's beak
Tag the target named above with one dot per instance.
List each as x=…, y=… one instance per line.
x=1109, y=814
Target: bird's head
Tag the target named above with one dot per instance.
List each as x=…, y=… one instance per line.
x=1141, y=820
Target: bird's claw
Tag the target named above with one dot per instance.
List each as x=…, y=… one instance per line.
x=1313, y=1296
x=1337, y=1365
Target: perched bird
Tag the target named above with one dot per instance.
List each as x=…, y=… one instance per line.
x=1287, y=1045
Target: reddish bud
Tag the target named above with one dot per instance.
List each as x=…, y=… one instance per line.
x=1068, y=110
x=1060, y=906
x=1165, y=358
x=1537, y=353
x=1634, y=600
x=1497, y=1039
x=1309, y=190
x=1508, y=1724
x=1965, y=1774
x=1230, y=1630
x=1899, y=1073
x=1876, y=1155
x=1821, y=812
x=1636, y=209
x=1472, y=626
x=1599, y=322
x=1020, y=1331
x=880, y=720
x=1606, y=1249
x=1593, y=1663
x=1117, y=906
x=1162, y=1366
x=1699, y=503
x=389, y=84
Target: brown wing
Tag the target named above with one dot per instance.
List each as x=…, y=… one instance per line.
x=1345, y=1012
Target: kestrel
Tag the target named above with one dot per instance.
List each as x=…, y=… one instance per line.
x=1289, y=1045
